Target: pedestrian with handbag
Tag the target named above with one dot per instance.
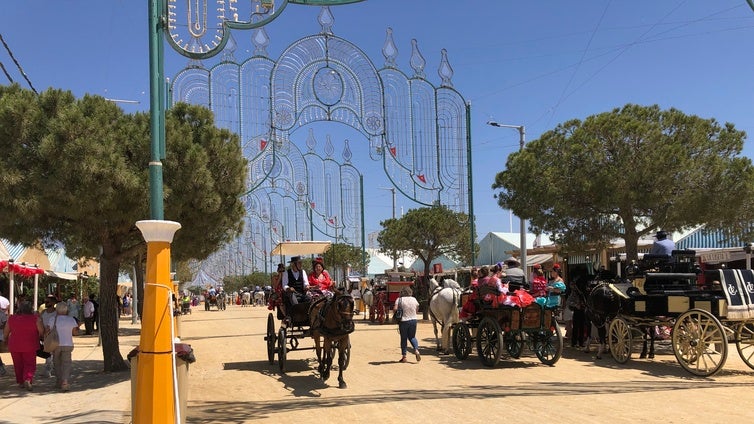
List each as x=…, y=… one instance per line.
x=409, y=306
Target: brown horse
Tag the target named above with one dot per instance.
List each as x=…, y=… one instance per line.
x=332, y=320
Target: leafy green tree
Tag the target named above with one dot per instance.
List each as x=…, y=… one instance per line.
x=627, y=173
x=343, y=256
x=77, y=170
x=429, y=233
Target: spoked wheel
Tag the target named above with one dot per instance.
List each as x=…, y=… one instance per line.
x=514, y=343
x=745, y=342
x=461, y=340
x=548, y=344
x=699, y=342
x=489, y=342
x=270, y=338
x=620, y=340
x=282, y=349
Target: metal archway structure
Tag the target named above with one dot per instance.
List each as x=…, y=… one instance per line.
x=419, y=132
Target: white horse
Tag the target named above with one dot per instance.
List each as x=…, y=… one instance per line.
x=246, y=299
x=259, y=298
x=443, y=308
x=367, y=297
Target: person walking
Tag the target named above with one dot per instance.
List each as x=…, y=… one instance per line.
x=66, y=327
x=88, y=315
x=3, y=323
x=22, y=331
x=47, y=317
x=74, y=308
x=407, y=327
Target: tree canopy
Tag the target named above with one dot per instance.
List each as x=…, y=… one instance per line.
x=627, y=173
x=342, y=256
x=75, y=171
x=429, y=233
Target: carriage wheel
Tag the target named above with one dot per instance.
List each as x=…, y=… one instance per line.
x=699, y=342
x=270, y=338
x=745, y=342
x=548, y=344
x=514, y=343
x=620, y=340
x=282, y=349
x=461, y=340
x=489, y=342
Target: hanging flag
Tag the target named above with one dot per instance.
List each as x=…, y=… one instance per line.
x=422, y=178
x=312, y=205
x=392, y=151
x=262, y=144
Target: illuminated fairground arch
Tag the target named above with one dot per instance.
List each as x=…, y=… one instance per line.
x=417, y=131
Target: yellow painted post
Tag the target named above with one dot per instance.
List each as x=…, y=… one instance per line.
x=155, y=396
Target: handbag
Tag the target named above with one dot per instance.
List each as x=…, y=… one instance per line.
x=51, y=340
x=398, y=315
x=41, y=351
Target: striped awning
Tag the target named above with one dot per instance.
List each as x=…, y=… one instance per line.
x=703, y=239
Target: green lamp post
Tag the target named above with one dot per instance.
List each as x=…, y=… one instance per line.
x=197, y=39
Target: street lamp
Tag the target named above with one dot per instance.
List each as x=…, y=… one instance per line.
x=522, y=133
x=392, y=190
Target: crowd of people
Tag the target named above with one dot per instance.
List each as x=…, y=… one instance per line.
x=23, y=332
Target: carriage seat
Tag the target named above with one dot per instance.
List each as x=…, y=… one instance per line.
x=669, y=282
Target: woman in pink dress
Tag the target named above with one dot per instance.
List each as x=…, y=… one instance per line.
x=319, y=279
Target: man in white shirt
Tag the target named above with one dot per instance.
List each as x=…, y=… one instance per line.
x=88, y=316
x=295, y=281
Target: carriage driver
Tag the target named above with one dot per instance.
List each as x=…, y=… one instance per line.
x=295, y=281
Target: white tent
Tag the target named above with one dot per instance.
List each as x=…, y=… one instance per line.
x=201, y=280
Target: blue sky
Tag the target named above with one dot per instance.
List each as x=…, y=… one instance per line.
x=524, y=63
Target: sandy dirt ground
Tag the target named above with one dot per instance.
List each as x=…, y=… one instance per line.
x=232, y=381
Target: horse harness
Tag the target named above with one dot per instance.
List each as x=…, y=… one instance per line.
x=344, y=322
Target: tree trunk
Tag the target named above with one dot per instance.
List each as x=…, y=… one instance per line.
x=139, y=283
x=631, y=237
x=109, y=318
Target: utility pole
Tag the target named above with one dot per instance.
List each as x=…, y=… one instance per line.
x=395, y=258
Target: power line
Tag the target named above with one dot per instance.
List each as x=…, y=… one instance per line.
x=18, y=65
x=6, y=73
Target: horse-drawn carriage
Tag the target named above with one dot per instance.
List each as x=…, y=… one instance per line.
x=666, y=291
x=217, y=300
x=381, y=296
x=509, y=327
x=326, y=320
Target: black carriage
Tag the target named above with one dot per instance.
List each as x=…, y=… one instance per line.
x=216, y=300
x=703, y=311
x=509, y=328
x=294, y=319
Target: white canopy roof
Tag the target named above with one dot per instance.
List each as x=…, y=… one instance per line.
x=298, y=248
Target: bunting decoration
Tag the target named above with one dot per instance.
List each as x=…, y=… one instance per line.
x=19, y=269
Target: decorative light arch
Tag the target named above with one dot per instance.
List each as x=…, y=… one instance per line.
x=419, y=132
